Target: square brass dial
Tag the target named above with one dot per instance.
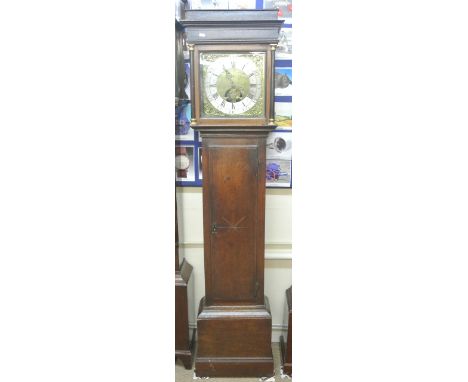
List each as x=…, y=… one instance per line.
x=232, y=84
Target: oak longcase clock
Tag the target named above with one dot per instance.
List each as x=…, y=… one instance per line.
x=232, y=66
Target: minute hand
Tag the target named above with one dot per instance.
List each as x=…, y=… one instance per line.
x=229, y=76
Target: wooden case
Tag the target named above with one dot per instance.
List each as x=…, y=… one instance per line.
x=234, y=319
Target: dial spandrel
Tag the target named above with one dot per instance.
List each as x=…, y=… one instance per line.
x=232, y=85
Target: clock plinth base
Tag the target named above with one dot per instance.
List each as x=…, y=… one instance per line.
x=234, y=341
x=240, y=367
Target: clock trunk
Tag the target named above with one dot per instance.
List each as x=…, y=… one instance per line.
x=234, y=193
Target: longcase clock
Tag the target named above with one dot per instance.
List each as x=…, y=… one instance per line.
x=232, y=66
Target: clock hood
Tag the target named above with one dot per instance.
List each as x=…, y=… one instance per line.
x=232, y=26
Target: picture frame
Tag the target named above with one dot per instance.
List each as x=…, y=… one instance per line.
x=284, y=48
x=283, y=115
x=283, y=82
x=279, y=145
x=183, y=131
x=185, y=164
x=278, y=173
x=284, y=8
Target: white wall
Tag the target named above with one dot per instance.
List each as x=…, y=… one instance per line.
x=278, y=248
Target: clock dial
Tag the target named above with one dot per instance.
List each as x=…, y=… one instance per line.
x=233, y=85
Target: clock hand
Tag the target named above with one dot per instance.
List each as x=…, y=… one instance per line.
x=228, y=94
x=229, y=76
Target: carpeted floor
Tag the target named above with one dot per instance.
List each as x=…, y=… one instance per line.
x=182, y=375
